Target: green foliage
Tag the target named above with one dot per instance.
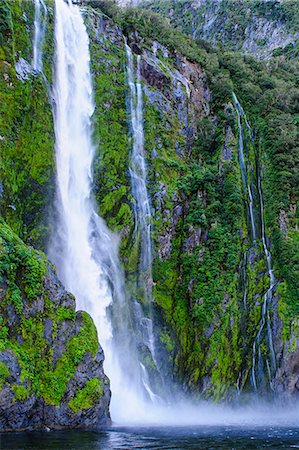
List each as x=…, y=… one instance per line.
x=5, y=23
x=269, y=95
x=231, y=19
x=86, y=397
x=20, y=262
x=151, y=26
x=27, y=160
x=4, y=374
x=21, y=393
x=52, y=384
x=111, y=180
x=64, y=313
x=197, y=194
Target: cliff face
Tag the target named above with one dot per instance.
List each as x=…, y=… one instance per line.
x=263, y=29
x=27, y=134
x=51, y=365
x=205, y=259
x=201, y=218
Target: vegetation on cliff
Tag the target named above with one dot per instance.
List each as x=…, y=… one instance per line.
x=201, y=229
x=43, y=344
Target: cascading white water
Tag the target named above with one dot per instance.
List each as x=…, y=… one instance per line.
x=246, y=183
x=268, y=296
x=84, y=251
x=40, y=15
x=138, y=171
x=143, y=217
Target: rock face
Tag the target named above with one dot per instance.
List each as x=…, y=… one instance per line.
x=203, y=267
x=257, y=28
x=51, y=365
x=287, y=377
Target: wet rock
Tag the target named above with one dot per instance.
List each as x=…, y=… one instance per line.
x=286, y=381
x=24, y=70
x=227, y=146
x=193, y=240
x=165, y=246
x=209, y=330
x=48, y=329
x=13, y=318
x=157, y=99
x=10, y=360
x=153, y=74
x=32, y=308
x=33, y=410
x=283, y=222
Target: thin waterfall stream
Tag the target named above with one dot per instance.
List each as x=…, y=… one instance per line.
x=40, y=16
x=246, y=183
x=143, y=216
x=257, y=363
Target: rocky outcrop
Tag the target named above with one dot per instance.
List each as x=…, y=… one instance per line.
x=51, y=365
x=286, y=381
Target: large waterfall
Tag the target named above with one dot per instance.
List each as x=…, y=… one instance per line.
x=258, y=368
x=83, y=249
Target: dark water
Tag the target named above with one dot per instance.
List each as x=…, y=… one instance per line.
x=156, y=438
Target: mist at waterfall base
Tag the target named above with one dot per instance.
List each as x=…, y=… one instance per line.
x=85, y=251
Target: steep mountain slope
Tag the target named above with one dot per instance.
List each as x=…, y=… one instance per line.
x=261, y=28
x=201, y=227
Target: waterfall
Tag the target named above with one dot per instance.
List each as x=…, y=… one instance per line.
x=83, y=249
x=40, y=15
x=138, y=174
x=142, y=209
x=246, y=182
x=268, y=299
x=268, y=296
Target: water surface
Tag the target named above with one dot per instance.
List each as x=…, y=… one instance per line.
x=196, y=437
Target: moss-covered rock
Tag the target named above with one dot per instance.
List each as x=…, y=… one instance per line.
x=26, y=127
x=49, y=354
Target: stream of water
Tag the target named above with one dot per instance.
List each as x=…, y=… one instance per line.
x=83, y=249
x=258, y=366
x=40, y=15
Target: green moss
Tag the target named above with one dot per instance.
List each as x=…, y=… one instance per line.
x=26, y=123
x=21, y=393
x=4, y=374
x=87, y=397
x=52, y=384
x=64, y=313
x=24, y=271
